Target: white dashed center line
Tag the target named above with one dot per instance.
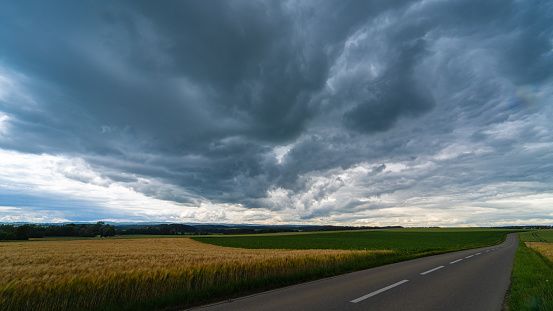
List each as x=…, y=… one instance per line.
x=379, y=291
x=404, y=281
x=432, y=270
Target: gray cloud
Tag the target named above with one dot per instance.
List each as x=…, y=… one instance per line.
x=396, y=93
x=189, y=102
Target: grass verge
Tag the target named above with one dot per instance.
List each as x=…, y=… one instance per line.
x=532, y=277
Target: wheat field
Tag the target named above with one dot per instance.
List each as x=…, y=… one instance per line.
x=86, y=274
x=544, y=248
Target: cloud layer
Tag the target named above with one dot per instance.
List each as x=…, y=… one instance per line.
x=357, y=112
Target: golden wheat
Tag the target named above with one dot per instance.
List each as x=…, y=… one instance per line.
x=546, y=249
x=89, y=273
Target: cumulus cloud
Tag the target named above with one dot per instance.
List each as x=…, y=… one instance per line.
x=358, y=112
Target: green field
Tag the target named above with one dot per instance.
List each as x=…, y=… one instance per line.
x=404, y=241
x=537, y=236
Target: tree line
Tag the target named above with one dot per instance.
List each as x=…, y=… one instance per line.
x=101, y=229
x=24, y=232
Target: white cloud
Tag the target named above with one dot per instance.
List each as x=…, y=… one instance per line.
x=11, y=214
x=4, y=123
x=14, y=88
x=281, y=151
x=7, y=84
x=52, y=177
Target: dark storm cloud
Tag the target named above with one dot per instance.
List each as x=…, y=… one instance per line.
x=246, y=70
x=396, y=93
x=526, y=53
x=196, y=95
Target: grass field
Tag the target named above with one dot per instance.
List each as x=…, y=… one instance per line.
x=538, y=236
x=532, y=278
x=152, y=273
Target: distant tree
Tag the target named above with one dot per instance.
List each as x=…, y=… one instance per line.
x=97, y=228
x=165, y=229
x=89, y=231
x=37, y=231
x=7, y=228
x=108, y=230
x=179, y=228
x=51, y=231
x=65, y=230
x=22, y=232
x=68, y=230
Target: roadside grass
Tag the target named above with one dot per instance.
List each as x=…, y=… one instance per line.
x=532, y=277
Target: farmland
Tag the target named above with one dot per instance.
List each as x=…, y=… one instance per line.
x=544, y=248
x=153, y=273
x=87, y=274
x=538, y=236
x=541, y=241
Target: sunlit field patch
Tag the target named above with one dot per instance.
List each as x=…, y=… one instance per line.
x=86, y=274
x=544, y=248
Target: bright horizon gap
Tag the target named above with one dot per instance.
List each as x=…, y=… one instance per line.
x=411, y=113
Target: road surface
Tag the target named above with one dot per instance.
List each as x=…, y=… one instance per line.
x=475, y=279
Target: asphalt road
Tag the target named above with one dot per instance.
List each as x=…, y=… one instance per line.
x=475, y=279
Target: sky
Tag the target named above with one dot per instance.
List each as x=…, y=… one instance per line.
x=358, y=113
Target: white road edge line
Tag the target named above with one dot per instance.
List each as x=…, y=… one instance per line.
x=431, y=270
x=477, y=254
x=455, y=261
x=469, y=256
x=378, y=291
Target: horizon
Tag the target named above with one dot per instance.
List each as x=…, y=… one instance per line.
x=358, y=113
x=264, y=225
